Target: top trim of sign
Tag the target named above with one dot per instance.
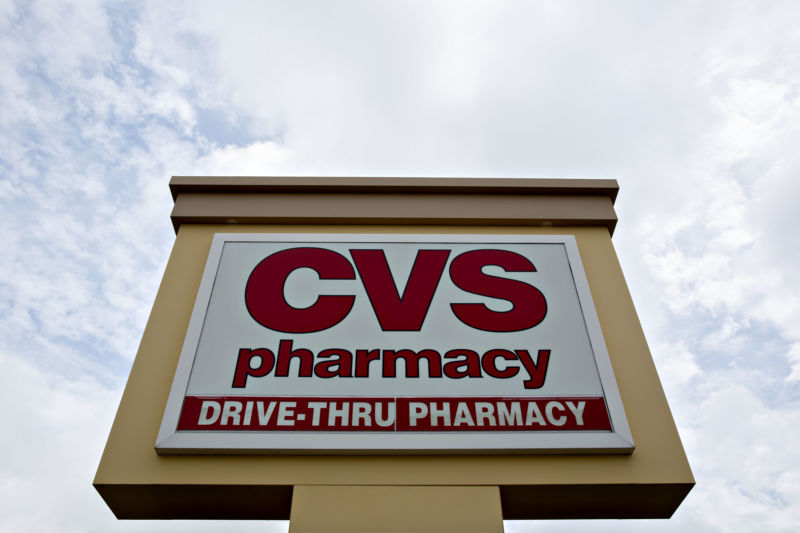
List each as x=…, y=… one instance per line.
x=394, y=201
x=537, y=186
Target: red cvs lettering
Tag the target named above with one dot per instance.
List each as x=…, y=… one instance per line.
x=529, y=305
x=266, y=302
x=395, y=312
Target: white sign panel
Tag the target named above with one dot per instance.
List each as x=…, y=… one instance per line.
x=394, y=344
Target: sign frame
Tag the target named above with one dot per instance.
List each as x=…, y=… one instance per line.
x=170, y=441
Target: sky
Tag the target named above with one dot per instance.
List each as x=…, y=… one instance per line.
x=694, y=107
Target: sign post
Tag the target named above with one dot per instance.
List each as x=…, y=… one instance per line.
x=346, y=352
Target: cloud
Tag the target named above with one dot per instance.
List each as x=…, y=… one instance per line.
x=54, y=435
x=747, y=451
x=52, y=439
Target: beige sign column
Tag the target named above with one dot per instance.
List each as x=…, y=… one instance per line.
x=398, y=509
x=445, y=491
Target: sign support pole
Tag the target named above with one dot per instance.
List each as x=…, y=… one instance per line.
x=335, y=509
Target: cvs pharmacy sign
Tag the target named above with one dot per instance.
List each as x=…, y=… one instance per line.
x=387, y=343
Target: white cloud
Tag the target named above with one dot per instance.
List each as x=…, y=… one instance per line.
x=794, y=360
x=749, y=460
x=52, y=441
x=54, y=434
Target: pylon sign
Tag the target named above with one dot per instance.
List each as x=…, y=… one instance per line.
x=320, y=343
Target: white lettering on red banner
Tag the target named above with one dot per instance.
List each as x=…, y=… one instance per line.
x=393, y=414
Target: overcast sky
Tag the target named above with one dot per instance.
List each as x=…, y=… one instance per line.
x=694, y=107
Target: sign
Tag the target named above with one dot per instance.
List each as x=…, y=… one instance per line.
x=394, y=344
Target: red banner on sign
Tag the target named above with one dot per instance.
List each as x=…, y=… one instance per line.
x=403, y=414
